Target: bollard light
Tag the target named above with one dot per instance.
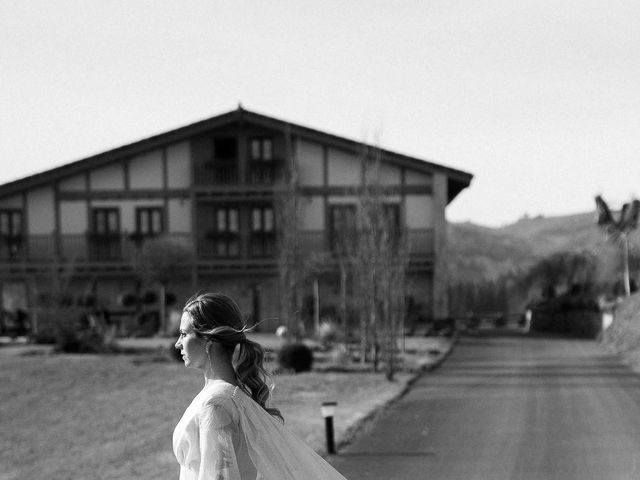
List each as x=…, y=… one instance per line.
x=328, y=410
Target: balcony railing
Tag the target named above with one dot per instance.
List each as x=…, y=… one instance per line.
x=258, y=173
x=80, y=248
x=261, y=172
x=122, y=248
x=217, y=173
x=420, y=242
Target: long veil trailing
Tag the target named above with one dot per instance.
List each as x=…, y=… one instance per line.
x=275, y=451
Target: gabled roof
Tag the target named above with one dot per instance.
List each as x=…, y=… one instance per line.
x=457, y=179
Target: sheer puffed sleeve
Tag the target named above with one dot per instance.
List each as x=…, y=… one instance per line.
x=218, y=432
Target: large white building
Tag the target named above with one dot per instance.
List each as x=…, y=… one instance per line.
x=210, y=187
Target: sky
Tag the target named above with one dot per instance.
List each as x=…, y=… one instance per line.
x=539, y=100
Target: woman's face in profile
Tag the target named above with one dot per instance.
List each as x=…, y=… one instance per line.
x=191, y=347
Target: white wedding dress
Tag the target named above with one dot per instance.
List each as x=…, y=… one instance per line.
x=226, y=435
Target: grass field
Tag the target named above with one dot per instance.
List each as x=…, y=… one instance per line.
x=112, y=416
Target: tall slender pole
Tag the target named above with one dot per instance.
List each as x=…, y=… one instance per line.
x=316, y=305
x=625, y=266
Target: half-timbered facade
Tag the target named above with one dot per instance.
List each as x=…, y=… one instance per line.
x=209, y=187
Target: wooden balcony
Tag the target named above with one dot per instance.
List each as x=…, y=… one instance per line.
x=229, y=246
x=240, y=249
x=260, y=172
x=79, y=248
x=421, y=242
x=227, y=173
x=216, y=173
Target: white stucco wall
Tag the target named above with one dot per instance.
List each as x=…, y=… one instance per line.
x=179, y=216
x=389, y=174
x=412, y=177
x=145, y=171
x=310, y=163
x=73, y=184
x=344, y=168
x=420, y=211
x=73, y=217
x=313, y=213
x=40, y=211
x=110, y=177
x=179, y=165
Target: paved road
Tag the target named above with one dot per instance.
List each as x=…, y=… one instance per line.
x=509, y=408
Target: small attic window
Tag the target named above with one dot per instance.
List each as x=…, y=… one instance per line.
x=225, y=148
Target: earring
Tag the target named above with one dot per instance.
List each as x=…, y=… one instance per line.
x=207, y=348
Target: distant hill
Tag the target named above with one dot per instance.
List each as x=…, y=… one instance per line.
x=477, y=252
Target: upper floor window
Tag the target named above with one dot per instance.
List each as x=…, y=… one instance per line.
x=105, y=243
x=227, y=220
x=225, y=148
x=106, y=221
x=262, y=231
x=261, y=148
x=11, y=223
x=10, y=233
x=149, y=221
x=392, y=217
x=262, y=220
x=225, y=235
x=342, y=227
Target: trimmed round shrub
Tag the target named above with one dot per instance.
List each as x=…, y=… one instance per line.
x=170, y=298
x=127, y=299
x=81, y=332
x=86, y=300
x=295, y=356
x=149, y=297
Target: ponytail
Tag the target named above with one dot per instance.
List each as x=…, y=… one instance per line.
x=252, y=376
x=217, y=317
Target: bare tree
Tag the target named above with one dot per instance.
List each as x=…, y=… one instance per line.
x=290, y=255
x=159, y=261
x=618, y=231
x=379, y=259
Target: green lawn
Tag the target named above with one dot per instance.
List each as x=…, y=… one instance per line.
x=112, y=416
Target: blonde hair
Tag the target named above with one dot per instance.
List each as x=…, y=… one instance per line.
x=217, y=317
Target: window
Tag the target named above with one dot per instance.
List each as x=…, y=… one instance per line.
x=10, y=233
x=106, y=221
x=11, y=223
x=149, y=221
x=262, y=166
x=225, y=235
x=392, y=216
x=105, y=242
x=225, y=148
x=262, y=231
x=227, y=220
x=261, y=148
x=222, y=168
x=342, y=227
x=262, y=219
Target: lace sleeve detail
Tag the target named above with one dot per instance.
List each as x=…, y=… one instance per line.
x=218, y=436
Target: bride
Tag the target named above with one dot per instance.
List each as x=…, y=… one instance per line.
x=229, y=432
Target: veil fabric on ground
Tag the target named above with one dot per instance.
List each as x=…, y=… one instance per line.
x=225, y=435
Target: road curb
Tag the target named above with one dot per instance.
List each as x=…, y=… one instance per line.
x=354, y=430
